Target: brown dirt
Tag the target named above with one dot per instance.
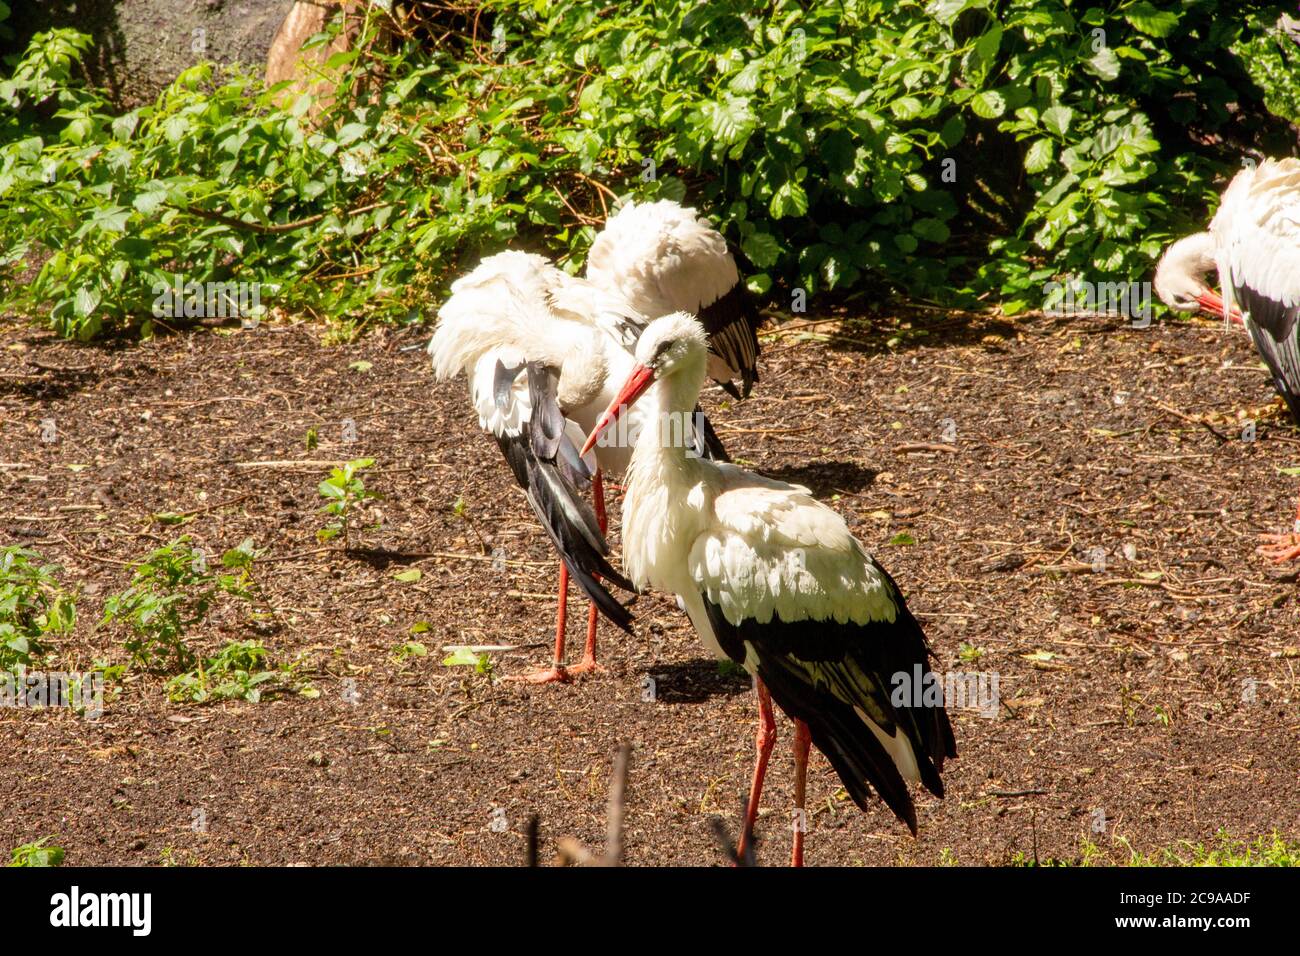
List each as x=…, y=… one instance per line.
x=1123, y=688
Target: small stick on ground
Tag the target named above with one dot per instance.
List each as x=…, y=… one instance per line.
x=533, y=832
x=572, y=852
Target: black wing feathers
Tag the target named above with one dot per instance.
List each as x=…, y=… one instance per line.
x=549, y=469
x=813, y=670
x=1273, y=327
x=546, y=424
x=706, y=442
x=732, y=323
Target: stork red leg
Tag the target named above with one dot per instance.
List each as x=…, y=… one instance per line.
x=588, y=663
x=556, y=673
x=802, y=744
x=764, y=741
x=1283, y=547
x=559, y=673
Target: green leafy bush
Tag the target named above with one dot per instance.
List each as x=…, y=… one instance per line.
x=36, y=853
x=950, y=149
x=171, y=591
x=239, y=671
x=1273, y=58
x=32, y=607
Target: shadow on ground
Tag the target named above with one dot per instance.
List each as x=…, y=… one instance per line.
x=691, y=682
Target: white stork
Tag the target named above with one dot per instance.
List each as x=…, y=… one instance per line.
x=1254, y=241
x=534, y=369
x=773, y=580
x=575, y=337
x=661, y=257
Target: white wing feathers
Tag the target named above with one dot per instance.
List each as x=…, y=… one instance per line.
x=662, y=257
x=511, y=299
x=774, y=549
x=1257, y=229
x=1258, y=232
x=497, y=305
x=493, y=417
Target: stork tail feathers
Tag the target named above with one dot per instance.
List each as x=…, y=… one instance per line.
x=839, y=680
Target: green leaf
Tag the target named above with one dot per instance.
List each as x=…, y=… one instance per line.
x=906, y=244
x=906, y=107
x=789, y=200
x=124, y=126
x=902, y=538
x=1039, y=156
x=986, y=47
x=946, y=11
x=731, y=121
x=932, y=230
x=988, y=105
x=1104, y=63
x=461, y=657
x=761, y=249
x=148, y=203
x=953, y=130
x=1057, y=119
x=409, y=576
x=85, y=301
x=1147, y=19
x=111, y=219
x=330, y=489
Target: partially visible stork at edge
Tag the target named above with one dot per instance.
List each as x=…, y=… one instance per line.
x=1254, y=243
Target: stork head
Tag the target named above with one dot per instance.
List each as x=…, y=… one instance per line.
x=1180, y=276
x=674, y=347
x=671, y=344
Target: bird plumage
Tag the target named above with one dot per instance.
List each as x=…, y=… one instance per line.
x=1257, y=234
x=516, y=402
x=774, y=580
x=514, y=312
x=532, y=368
x=662, y=257
x=1180, y=274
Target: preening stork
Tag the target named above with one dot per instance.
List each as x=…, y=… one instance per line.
x=1180, y=277
x=773, y=580
x=1254, y=241
x=661, y=257
x=536, y=371
x=518, y=313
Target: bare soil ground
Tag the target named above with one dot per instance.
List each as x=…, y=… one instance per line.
x=1146, y=700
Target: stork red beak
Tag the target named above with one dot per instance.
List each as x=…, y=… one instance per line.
x=642, y=378
x=1212, y=302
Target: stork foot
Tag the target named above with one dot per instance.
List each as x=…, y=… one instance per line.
x=587, y=665
x=1281, y=547
x=559, y=674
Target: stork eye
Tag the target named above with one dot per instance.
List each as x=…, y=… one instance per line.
x=660, y=349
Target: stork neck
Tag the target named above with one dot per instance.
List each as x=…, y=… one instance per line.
x=662, y=511
x=1192, y=256
x=661, y=452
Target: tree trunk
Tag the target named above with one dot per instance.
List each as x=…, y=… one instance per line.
x=287, y=61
